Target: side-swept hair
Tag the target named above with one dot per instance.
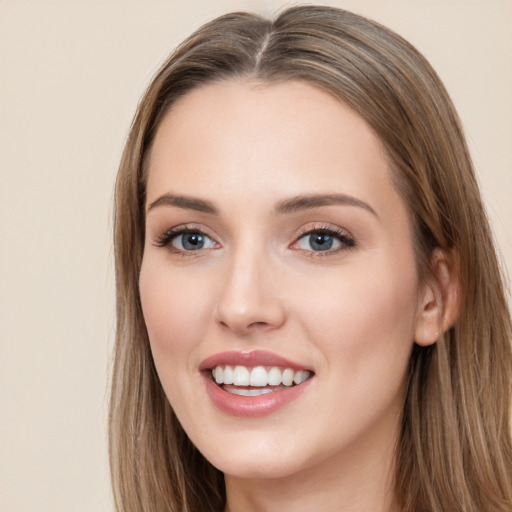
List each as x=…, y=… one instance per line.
x=454, y=451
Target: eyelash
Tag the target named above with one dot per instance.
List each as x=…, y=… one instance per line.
x=165, y=239
x=346, y=240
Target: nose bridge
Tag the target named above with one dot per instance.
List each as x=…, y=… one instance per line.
x=249, y=299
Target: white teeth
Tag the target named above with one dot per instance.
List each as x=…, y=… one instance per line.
x=250, y=392
x=274, y=377
x=219, y=375
x=240, y=376
x=299, y=378
x=258, y=376
x=288, y=377
x=228, y=375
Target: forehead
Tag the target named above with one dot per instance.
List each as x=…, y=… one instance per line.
x=286, y=138
x=295, y=109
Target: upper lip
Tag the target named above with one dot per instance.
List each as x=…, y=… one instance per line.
x=249, y=358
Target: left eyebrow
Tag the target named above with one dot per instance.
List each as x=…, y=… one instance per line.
x=306, y=202
x=185, y=202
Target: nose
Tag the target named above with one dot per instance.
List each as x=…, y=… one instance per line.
x=250, y=298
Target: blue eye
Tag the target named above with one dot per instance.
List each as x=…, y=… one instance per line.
x=185, y=240
x=191, y=241
x=324, y=240
x=320, y=241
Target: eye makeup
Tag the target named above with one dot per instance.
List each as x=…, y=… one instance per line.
x=320, y=240
x=323, y=240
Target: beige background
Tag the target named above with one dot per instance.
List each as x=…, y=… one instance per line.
x=71, y=72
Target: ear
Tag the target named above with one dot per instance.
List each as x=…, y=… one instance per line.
x=438, y=302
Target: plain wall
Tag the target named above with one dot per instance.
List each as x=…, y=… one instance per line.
x=71, y=73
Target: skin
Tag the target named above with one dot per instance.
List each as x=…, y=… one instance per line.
x=350, y=314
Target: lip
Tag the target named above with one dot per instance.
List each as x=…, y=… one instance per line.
x=250, y=358
x=251, y=406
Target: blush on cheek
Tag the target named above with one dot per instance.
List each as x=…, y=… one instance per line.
x=363, y=312
x=174, y=306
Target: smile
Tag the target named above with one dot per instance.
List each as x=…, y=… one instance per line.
x=259, y=380
x=253, y=384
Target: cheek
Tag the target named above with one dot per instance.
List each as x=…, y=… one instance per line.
x=363, y=315
x=174, y=309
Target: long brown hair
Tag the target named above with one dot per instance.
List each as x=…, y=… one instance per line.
x=454, y=451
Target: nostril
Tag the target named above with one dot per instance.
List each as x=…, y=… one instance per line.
x=257, y=325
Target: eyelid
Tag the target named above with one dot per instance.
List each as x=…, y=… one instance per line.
x=346, y=239
x=164, y=239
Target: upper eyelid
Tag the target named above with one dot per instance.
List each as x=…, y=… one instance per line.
x=331, y=228
x=304, y=230
x=186, y=228
x=163, y=238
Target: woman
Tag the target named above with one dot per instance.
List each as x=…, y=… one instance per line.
x=310, y=310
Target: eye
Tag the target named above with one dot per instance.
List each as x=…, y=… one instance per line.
x=185, y=240
x=192, y=241
x=327, y=240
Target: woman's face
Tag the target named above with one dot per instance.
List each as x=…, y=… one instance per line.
x=277, y=249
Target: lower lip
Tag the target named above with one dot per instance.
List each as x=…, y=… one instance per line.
x=252, y=406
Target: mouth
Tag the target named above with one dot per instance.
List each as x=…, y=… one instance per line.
x=257, y=380
x=253, y=383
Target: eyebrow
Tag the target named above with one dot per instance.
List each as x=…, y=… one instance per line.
x=185, y=202
x=306, y=202
x=291, y=205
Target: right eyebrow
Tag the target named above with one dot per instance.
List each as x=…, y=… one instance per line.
x=185, y=202
x=306, y=202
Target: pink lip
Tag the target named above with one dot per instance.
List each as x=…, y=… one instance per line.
x=249, y=358
x=250, y=406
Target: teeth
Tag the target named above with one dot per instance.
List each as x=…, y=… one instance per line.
x=298, y=378
x=228, y=375
x=274, y=377
x=258, y=377
x=219, y=375
x=250, y=392
x=241, y=376
x=288, y=375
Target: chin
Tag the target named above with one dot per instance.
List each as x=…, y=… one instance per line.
x=264, y=468
x=251, y=455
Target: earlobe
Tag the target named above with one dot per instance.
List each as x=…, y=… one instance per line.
x=438, y=306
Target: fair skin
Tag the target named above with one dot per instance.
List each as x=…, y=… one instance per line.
x=329, y=284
